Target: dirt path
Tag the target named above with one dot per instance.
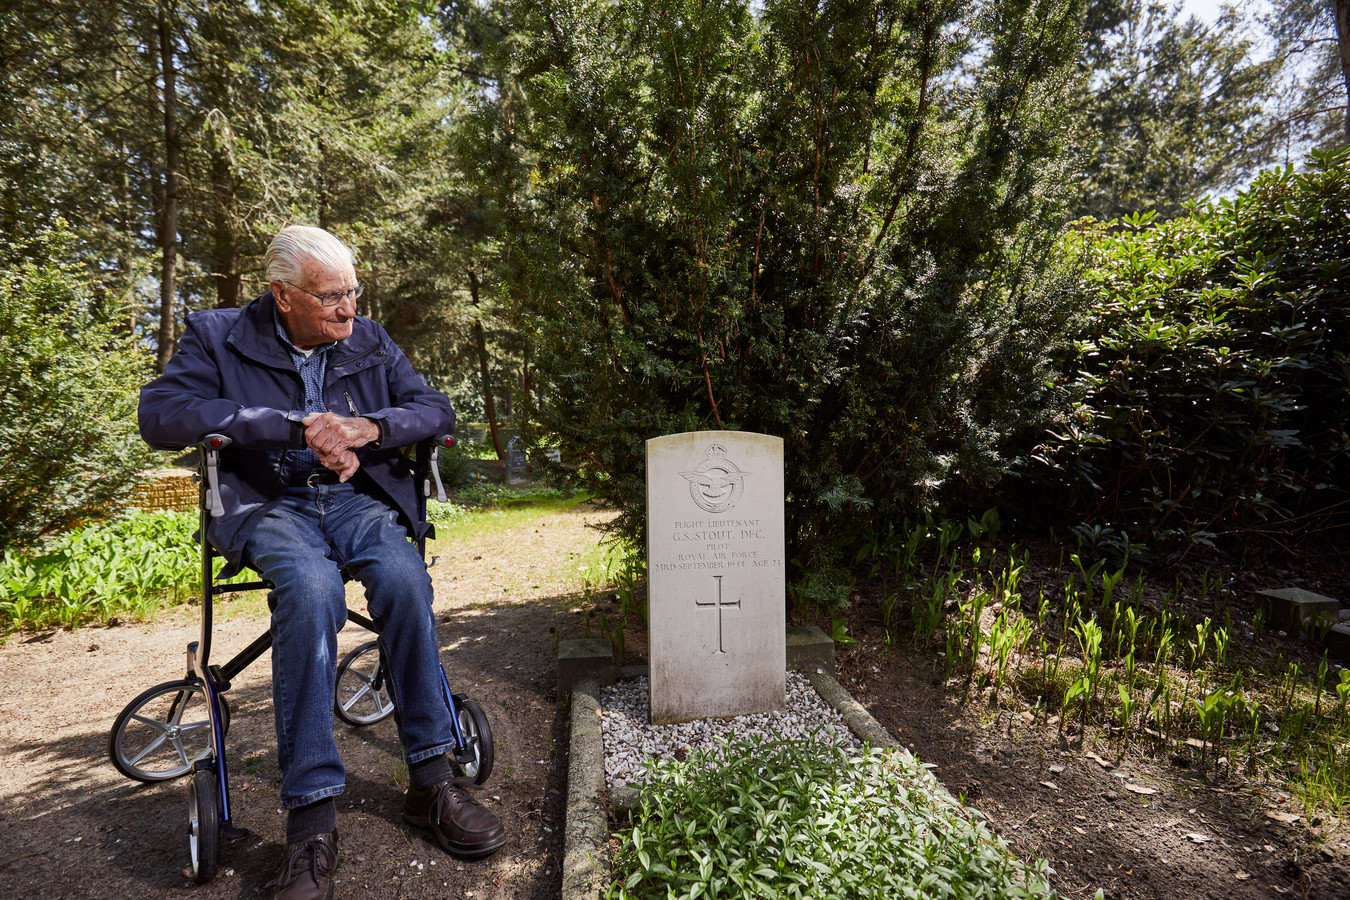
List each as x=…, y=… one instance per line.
x=71, y=826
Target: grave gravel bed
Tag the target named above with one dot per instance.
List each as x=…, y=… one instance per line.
x=630, y=739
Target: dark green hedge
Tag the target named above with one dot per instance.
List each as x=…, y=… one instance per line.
x=1213, y=370
x=799, y=223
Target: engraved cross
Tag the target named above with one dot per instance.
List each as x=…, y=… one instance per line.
x=719, y=604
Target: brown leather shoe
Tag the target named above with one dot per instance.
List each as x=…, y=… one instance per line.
x=307, y=873
x=462, y=825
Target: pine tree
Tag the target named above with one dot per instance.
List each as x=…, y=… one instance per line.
x=188, y=131
x=1314, y=35
x=1172, y=108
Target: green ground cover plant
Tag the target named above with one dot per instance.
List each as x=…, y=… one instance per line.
x=1176, y=674
x=130, y=566
x=794, y=820
x=123, y=568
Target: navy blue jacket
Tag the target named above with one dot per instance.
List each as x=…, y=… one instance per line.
x=232, y=376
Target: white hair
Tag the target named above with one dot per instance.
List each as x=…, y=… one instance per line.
x=294, y=245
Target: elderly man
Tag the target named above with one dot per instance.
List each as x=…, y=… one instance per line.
x=318, y=400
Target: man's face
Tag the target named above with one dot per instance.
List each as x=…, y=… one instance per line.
x=307, y=321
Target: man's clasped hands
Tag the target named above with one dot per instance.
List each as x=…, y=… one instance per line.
x=335, y=439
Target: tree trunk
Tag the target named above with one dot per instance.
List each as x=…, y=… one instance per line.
x=480, y=345
x=526, y=377
x=1341, y=11
x=229, y=280
x=168, y=227
x=321, y=194
x=127, y=282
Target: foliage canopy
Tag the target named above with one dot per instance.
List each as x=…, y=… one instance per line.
x=794, y=219
x=1172, y=107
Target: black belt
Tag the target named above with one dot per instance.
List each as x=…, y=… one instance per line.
x=313, y=477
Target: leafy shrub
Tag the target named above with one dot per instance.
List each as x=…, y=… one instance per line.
x=457, y=469
x=785, y=219
x=69, y=449
x=1214, y=368
x=807, y=820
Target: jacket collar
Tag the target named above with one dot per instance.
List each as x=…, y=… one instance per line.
x=255, y=336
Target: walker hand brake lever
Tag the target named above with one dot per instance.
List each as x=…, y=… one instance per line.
x=444, y=440
x=212, y=444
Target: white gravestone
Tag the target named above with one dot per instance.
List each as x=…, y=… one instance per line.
x=715, y=548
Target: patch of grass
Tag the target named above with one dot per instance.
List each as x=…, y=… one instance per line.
x=796, y=819
x=1322, y=775
x=490, y=494
x=619, y=567
x=488, y=522
x=1048, y=685
x=446, y=515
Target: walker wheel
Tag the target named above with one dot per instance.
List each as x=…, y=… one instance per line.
x=476, y=759
x=160, y=735
x=361, y=695
x=204, y=823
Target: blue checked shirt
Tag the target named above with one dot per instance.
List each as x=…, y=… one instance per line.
x=311, y=369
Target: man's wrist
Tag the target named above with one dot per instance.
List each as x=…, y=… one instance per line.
x=376, y=432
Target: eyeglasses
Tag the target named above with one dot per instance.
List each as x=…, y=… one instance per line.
x=333, y=298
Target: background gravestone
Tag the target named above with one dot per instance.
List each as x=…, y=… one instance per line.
x=715, y=548
x=516, y=463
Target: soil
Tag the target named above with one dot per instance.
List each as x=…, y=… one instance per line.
x=1074, y=803
x=72, y=827
x=1134, y=824
x=1143, y=822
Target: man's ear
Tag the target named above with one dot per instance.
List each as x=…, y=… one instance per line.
x=279, y=295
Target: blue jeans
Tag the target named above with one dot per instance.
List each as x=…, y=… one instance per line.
x=298, y=547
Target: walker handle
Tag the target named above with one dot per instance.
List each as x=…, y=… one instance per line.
x=443, y=440
x=212, y=444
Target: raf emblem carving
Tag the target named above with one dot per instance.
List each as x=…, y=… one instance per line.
x=716, y=485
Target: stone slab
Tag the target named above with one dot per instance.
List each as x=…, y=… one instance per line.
x=809, y=648
x=585, y=659
x=1296, y=610
x=716, y=575
x=859, y=720
x=1338, y=642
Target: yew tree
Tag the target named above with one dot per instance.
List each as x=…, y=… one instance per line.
x=827, y=221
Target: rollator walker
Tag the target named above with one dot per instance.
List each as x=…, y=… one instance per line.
x=180, y=726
